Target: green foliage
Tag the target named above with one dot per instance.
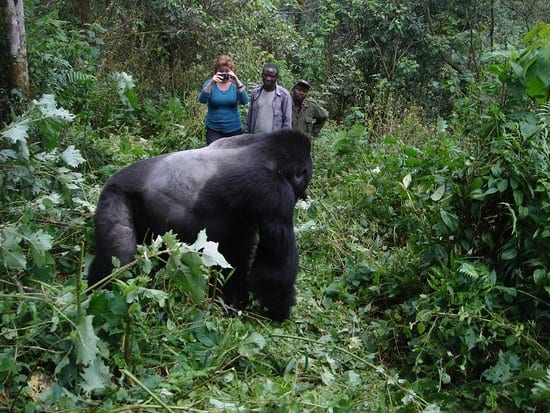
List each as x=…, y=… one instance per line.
x=42, y=191
x=457, y=279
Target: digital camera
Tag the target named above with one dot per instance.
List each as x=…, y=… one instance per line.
x=223, y=75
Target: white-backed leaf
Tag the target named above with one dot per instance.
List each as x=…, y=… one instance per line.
x=72, y=157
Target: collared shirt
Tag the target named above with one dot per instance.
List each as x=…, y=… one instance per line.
x=282, y=109
x=308, y=118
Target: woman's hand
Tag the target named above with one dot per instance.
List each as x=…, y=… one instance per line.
x=217, y=78
x=234, y=78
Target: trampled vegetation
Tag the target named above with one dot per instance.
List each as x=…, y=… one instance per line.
x=425, y=242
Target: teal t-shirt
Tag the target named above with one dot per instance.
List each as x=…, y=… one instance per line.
x=223, y=107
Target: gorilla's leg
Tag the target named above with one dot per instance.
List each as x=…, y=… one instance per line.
x=115, y=234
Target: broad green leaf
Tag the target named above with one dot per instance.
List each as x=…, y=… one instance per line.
x=108, y=306
x=469, y=338
x=86, y=342
x=134, y=293
x=193, y=283
x=509, y=254
x=528, y=129
x=434, y=408
x=40, y=242
x=490, y=191
x=540, y=276
x=542, y=67
x=523, y=212
x=424, y=315
x=502, y=185
x=96, y=377
x=535, y=88
x=410, y=151
x=7, y=361
x=48, y=108
x=503, y=370
x=14, y=258
x=131, y=99
x=10, y=250
x=51, y=128
x=210, y=255
x=518, y=197
x=438, y=193
x=224, y=406
x=518, y=69
x=407, y=180
x=252, y=345
x=17, y=134
x=450, y=219
x=72, y=156
x=478, y=194
x=125, y=84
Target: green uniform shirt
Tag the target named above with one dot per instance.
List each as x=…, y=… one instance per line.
x=309, y=118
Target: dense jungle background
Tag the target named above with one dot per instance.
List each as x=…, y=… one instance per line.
x=425, y=242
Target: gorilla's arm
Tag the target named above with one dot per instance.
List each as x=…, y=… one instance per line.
x=274, y=269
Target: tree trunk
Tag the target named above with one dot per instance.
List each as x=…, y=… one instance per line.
x=85, y=13
x=14, y=23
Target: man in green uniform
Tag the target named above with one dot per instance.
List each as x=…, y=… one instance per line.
x=307, y=116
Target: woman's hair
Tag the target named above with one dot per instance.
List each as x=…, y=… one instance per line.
x=223, y=60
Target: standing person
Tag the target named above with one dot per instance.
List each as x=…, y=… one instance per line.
x=270, y=104
x=307, y=116
x=223, y=94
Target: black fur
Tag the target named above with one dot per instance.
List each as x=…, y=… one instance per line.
x=240, y=189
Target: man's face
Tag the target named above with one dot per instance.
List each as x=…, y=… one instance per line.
x=269, y=77
x=299, y=93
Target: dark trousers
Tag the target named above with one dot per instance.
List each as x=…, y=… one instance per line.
x=213, y=135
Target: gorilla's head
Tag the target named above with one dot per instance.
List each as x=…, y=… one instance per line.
x=291, y=153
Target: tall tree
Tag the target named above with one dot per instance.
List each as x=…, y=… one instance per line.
x=14, y=27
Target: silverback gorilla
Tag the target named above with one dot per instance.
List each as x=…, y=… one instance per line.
x=242, y=189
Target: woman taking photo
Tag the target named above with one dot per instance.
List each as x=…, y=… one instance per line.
x=223, y=93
